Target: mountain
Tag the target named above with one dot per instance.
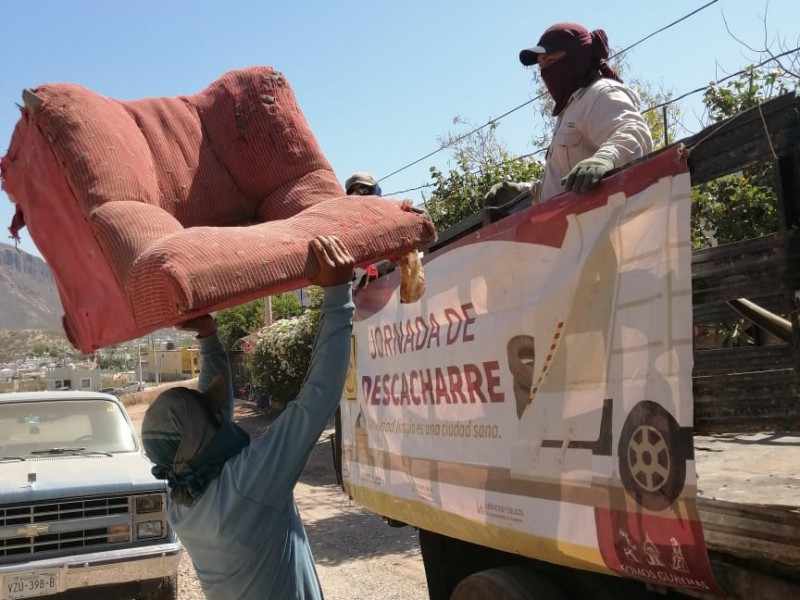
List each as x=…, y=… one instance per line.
x=28, y=295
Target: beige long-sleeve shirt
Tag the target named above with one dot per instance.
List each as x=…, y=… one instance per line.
x=600, y=120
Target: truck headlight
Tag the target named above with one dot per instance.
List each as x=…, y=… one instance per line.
x=148, y=504
x=149, y=529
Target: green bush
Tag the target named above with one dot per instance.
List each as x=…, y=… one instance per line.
x=281, y=356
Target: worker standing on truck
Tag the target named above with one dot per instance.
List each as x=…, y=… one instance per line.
x=363, y=184
x=232, y=503
x=599, y=126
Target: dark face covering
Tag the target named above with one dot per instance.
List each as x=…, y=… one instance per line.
x=189, y=439
x=195, y=475
x=583, y=64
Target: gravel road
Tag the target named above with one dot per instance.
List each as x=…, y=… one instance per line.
x=358, y=556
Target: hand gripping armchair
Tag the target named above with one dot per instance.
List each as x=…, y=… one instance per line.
x=153, y=211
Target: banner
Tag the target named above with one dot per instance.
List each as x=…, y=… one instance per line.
x=538, y=398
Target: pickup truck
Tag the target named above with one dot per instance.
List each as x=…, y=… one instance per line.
x=81, y=515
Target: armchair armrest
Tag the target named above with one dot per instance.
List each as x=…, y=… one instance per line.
x=126, y=229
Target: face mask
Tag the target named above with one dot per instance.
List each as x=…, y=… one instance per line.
x=566, y=75
x=196, y=474
x=226, y=443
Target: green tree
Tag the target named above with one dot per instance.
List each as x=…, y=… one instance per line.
x=480, y=161
x=285, y=306
x=239, y=321
x=111, y=363
x=40, y=348
x=662, y=117
x=315, y=297
x=742, y=205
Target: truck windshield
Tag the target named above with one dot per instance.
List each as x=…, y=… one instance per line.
x=35, y=428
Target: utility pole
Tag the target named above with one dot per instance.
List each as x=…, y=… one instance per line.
x=139, y=359
x=268, y=310
x=156, y=362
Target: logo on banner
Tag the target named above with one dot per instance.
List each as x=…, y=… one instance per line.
x=657, y=549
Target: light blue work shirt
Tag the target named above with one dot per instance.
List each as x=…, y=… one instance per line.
x=244, y=534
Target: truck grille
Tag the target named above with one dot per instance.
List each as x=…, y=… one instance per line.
x=54, y=526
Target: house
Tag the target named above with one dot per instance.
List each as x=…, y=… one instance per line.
x=171, y=365
x=72, y=377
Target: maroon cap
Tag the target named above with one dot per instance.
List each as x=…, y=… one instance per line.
x=561, y=36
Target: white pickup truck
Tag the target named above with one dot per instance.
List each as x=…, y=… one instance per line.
x=80, y=513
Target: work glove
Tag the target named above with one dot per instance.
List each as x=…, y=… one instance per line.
x=503, y=192
x=586, y=174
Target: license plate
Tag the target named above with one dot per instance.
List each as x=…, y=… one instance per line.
x=29, y=585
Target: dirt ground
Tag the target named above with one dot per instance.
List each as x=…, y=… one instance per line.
x=358, y=556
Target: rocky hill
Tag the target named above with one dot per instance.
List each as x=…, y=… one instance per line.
x=28, y=295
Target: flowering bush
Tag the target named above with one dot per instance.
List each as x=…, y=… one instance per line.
x=280, y=358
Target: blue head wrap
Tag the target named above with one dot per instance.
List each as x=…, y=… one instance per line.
x=188, y=442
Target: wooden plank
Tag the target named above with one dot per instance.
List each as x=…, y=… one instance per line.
x=728, y=146
x=749, y=504
x=714, y=425
x=785, y=243
x=742, y=582
x=757, y=537
x=743, y=384
x=723, y=361
x=749, y=401
x=755, y=268
x=716, y=312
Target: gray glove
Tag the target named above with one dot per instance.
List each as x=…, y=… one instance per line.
x=503, y=192
x=586, y=174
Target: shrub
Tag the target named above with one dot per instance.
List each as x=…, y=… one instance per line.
x=281, y=356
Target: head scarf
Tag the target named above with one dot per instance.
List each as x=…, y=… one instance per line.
x=184, y=442
x=584, y=63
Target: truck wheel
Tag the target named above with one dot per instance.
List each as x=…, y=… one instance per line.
x=508, y=583
x=652, y=463
x=167, y=590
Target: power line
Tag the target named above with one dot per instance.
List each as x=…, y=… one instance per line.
x=527, y=102
x=475, y=172
x=645, y=111
x=647, y=37
x=723, y=80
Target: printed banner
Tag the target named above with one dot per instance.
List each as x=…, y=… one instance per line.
x=538, y=398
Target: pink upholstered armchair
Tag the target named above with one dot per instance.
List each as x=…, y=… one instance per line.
x=152, y=211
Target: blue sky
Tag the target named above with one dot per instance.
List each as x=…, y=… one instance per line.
x=378, y=81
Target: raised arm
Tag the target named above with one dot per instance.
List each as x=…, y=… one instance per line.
x=213, y=356
x=269, y=469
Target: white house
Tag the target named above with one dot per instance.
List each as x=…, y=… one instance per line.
x=72, y=378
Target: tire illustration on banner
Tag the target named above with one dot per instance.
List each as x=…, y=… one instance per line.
x=652, y=459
